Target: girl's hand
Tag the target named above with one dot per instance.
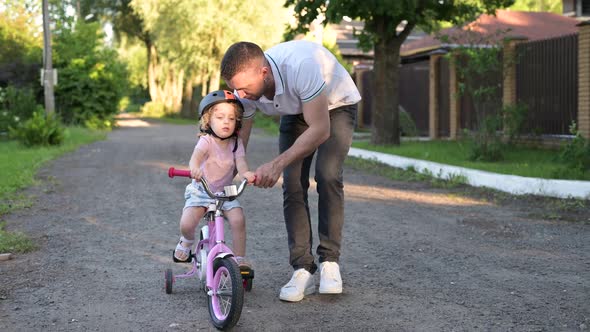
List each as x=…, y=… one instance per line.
x=250, y=176
x=196, y=173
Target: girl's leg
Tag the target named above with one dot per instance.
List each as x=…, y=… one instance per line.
x=237, y=223
x=188, y=223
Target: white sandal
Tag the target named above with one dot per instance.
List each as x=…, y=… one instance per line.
x=186, y=250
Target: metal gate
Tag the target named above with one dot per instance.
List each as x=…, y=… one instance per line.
x=547, y=82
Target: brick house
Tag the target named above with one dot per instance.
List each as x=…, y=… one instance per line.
x=579, y=9
x=428, y=82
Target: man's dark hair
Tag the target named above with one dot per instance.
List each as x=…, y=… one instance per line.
x=238, y=56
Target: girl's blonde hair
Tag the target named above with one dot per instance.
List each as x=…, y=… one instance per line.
x=206, y=118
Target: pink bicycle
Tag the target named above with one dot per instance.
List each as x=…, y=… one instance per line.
x=224, y=283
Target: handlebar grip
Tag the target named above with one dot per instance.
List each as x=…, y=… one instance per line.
x=172, y=172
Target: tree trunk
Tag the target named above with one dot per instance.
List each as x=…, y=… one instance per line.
x=153, y=68
x=177, y=91
x=386, y=102
x=385, y=114
x=214, y=80
x=187, y=96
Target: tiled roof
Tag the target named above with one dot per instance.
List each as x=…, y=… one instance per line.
x=531, y=25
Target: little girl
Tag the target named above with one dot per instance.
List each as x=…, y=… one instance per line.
x=216, y=156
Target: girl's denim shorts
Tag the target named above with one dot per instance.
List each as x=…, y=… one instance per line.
x=196, y=195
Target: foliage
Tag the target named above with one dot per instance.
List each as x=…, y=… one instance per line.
x=134, y=55
x=388, y=15
x=92, y=79
x=575, y=155
x=19, y=41
x=153, y=109
x=20, y=48
x=382, y=20
x=479, y=69
x=333, y=47
x=515, y=117
x=407, y=124
x=39, y=130
x=16, y=106
x=479, y=66
x=486, y=144
x=94, y=122
x=188, y=39
x=553, y=6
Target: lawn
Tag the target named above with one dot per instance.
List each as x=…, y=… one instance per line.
x=523, y=161
x=19, y=166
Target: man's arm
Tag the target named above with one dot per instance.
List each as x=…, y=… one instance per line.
x=317, y=117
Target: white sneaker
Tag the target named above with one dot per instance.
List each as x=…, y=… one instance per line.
x=301, y=284
x=330, y=280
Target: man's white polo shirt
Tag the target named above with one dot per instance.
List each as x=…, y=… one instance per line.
x=302, y=70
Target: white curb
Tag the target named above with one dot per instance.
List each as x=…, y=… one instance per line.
x=518, y=185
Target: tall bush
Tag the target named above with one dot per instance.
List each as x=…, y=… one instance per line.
x=92, y=80
x=575, y=155
x=515, y=117
x=478, y=71
x=39, y=130
x=16, y=106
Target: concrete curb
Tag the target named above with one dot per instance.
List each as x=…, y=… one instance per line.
x=518, y=185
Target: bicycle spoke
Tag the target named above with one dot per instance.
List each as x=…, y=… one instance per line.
x=224, y=293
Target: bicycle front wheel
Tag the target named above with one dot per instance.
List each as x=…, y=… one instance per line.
x=227, y=296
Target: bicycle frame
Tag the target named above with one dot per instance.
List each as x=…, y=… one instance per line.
x=216, y=241
x=214, y=216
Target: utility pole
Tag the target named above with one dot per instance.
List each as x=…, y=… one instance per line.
x=47, y=63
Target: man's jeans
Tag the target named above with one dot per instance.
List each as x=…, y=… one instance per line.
x=328, y=176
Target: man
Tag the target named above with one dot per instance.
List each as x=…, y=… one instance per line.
x=317, y=100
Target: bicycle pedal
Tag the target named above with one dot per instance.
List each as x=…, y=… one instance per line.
x=247, y=273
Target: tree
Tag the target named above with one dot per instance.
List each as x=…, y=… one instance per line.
x=387, y=25
x=552, y=6
x=191, y=36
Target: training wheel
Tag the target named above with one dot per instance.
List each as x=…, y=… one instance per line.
x=169, y=281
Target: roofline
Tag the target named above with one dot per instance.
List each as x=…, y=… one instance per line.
x=443, y=47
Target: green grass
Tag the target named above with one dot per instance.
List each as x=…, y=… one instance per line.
x=19, y=166
x=529, y=162
x=176, y=120
x=398, y=174
x=14, y=242
x=268, y=124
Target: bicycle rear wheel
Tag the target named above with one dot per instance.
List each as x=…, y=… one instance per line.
x=227, y=298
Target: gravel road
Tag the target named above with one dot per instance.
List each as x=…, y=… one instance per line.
x=414, y=257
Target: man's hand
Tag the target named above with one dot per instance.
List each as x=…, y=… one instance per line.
x=267, y=175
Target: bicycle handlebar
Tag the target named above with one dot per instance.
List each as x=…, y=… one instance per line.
x=172, y=172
